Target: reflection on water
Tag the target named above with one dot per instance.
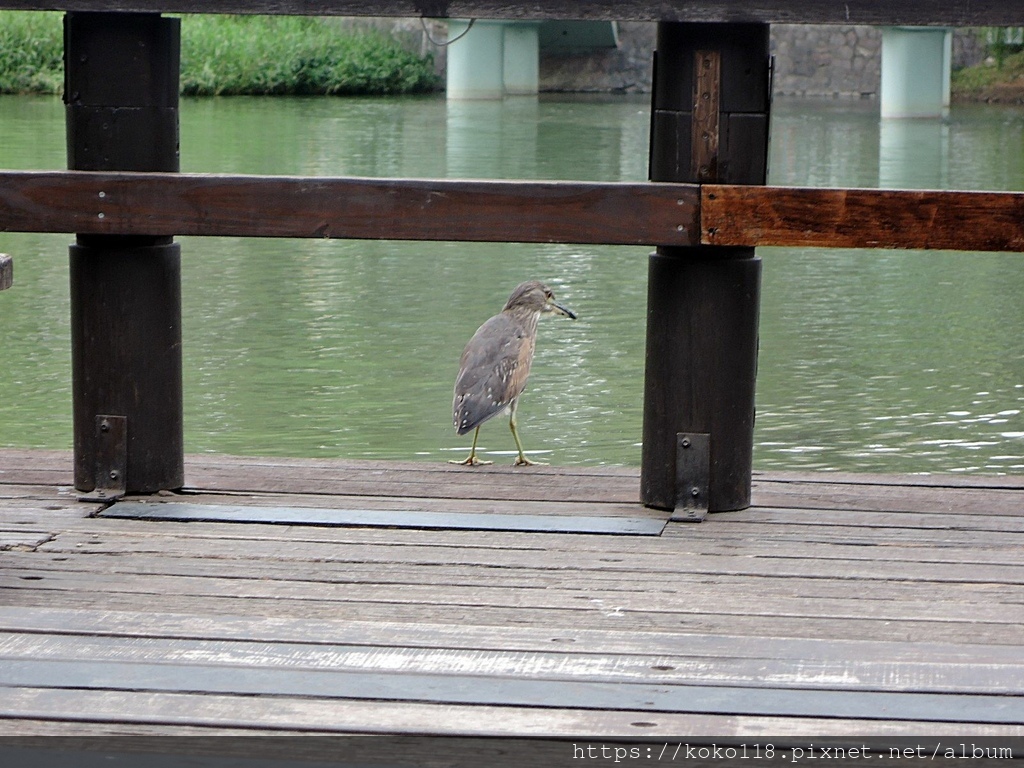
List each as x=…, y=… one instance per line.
x=870, y=360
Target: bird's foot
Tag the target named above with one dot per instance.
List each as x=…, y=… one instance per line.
x=470, y=461
x=522, y=461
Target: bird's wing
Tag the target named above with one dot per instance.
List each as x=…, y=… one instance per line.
x=492, y=372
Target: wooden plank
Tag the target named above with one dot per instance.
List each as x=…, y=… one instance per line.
x=399, y=518
x=773, y=561
x=317, y=207
x=704, y=139
x=962, y=13
x=600, y=599
x=978, y=677
x=556, y=620
x=316, y=716
x=519, y=692
x=748, y=534
x=862, y=218
x=918, y=543
x=514, y=637
x=6, y=271
x=595, y=564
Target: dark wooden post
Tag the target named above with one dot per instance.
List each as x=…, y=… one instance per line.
x=6, y=271
x=121, y=96
x=709, y=124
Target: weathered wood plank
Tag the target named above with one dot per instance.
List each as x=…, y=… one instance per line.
x=600, y=598
x=391, y=209
x=898, y=601
x=593, y=557
x=313, y=716
x=931, y=12
x=915, y=541
x=520, y=692
x=830, y=591
x=774, y=560
x=862, y=218
x=507, y=211
x=262, y=628
x=555, y=620
x=979, y=677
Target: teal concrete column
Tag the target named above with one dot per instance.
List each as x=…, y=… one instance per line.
x=522, y=58
x=476, y=60
x=916, y=64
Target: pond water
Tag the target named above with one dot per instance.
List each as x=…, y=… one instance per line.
x=870, y=360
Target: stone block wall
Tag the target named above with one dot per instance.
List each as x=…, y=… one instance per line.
x=810, y=60
x=823, y=60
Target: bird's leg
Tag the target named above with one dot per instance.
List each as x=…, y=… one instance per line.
x=521, y=460
x=472, y=460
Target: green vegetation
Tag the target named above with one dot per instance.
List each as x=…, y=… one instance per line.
x=229, y=55
x=31, y=52
x=235, y=55
x=998, y=78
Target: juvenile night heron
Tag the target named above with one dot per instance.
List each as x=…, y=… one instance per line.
x=496, y=363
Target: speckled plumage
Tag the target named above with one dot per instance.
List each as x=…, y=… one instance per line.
x=496, y=362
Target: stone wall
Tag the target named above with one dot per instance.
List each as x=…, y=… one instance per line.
x=825, y=60
x=834, y=61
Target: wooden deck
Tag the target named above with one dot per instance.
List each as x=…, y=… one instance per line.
x=839, y=605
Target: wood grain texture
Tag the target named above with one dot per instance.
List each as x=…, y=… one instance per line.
x=837, y=604
x=929, y=12
x=862, y=218
x=393, y=209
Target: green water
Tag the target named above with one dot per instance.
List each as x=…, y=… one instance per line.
x=870, y=360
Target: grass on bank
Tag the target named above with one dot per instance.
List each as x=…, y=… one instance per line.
x=989, y=81
x=235, y=55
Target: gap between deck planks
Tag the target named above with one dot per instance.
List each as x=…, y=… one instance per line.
x=836, y=595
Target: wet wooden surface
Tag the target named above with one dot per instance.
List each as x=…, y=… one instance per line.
x=837, y=604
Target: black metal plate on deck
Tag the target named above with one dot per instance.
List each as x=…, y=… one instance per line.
x=388, y=518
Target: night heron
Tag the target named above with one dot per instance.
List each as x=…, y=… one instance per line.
x=496, y=362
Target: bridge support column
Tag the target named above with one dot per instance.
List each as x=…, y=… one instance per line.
x=710, y=124
x=522, y=58
x=916, y=66
x=121, y=96
x=476, y=61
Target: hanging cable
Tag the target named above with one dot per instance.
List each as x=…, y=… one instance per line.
x=438, y=43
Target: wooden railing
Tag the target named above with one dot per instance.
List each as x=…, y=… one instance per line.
x=704, y=212
x=642, y=213
x=951, y=13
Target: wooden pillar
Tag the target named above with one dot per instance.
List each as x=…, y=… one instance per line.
x=709, y=124
x=121, y=96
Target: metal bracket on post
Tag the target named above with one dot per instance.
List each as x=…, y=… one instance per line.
x=111, y=459
x=693, y=469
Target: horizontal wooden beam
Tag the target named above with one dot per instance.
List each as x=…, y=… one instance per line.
x=957, y=13
x=358, y=208
x=862, y=218
x=634, y=213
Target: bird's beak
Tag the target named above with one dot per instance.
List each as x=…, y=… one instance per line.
x=558, y=309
